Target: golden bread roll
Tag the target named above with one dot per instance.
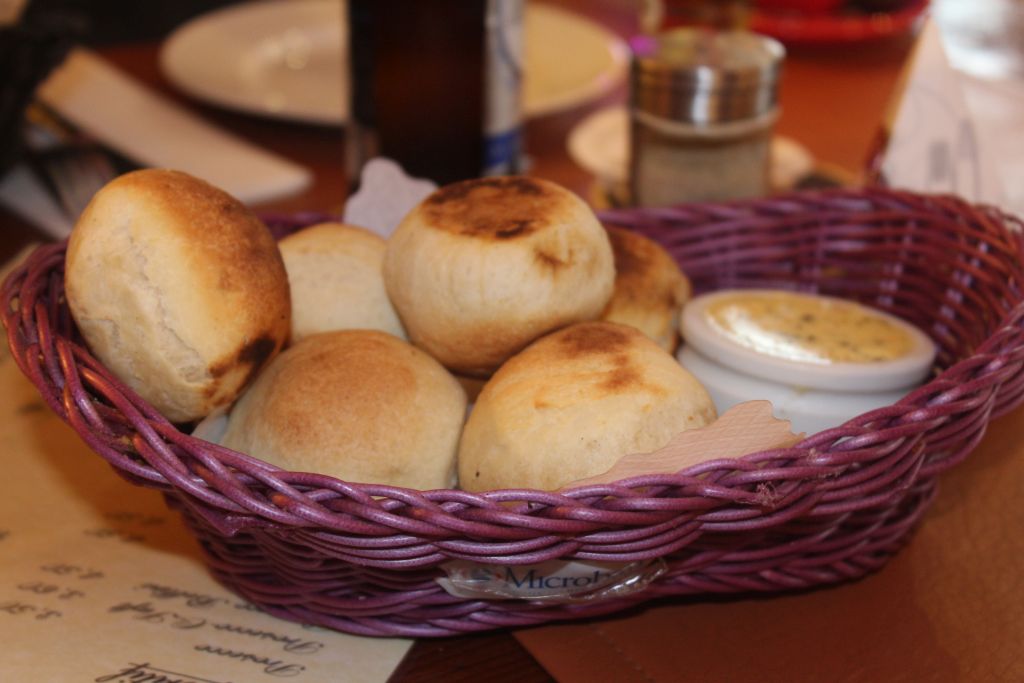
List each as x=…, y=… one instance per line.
x=482, y=267
x=336, y=279
x=178, y=289
x=574, y=402
x=650, y=289
x=359, y=405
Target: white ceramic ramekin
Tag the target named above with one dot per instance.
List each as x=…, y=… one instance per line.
x=813, y=395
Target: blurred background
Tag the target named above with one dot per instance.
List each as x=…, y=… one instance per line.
x=924, y=95
x=844, y=78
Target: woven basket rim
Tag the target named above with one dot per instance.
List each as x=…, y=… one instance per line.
x=749, y=492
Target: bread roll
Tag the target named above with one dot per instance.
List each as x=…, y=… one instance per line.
x=178, y=289
x=335, y=274
x=650, y=289
x=359, y=405
x=481, y=268
x=574, y=402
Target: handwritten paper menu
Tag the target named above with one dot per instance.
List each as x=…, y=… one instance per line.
x=100, y=582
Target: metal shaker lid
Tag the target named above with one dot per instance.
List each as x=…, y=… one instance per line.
x=699, y=76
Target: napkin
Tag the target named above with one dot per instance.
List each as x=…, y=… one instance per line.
x=950, y=135
x=386, y=194
x=152, y=130
x=747, y=427
x=995, y=106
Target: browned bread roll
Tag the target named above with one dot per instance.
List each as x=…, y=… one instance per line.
x=178, y=289
x=359, y=405
x=650, y=289
x=336, y=279
x=574, y=402
x=481, y=268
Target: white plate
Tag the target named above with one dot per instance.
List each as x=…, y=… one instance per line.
x=282, y=58
x=600, y=144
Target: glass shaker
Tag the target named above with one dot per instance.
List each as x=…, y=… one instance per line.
x=702, y=108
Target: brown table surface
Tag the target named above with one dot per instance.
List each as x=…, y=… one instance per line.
x=949, y=607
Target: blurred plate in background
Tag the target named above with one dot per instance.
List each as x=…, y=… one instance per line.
x=283, y=59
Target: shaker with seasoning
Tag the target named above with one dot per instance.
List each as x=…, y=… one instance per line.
x=702, y=107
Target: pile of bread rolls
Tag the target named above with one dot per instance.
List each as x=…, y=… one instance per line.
x=342, y=353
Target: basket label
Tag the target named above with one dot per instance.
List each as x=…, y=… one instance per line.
x=555, y=580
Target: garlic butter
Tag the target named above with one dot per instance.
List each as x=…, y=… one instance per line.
x=819, y=360
x=809, y=328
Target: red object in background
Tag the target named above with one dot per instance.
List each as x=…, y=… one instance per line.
x=716, y=14
x=799, y=6
x=839, y=26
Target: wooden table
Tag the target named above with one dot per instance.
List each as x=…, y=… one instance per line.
x=949, y=607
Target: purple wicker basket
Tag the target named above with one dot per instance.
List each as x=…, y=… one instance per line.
x=364, y=558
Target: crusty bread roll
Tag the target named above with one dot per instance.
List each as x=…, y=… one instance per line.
x=178, y=289
x=574, y=402
x=359, y=405
x=482, y=267
x=650, y=289
x=336, y=279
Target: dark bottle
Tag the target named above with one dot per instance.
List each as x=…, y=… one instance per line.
x=435, y=85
